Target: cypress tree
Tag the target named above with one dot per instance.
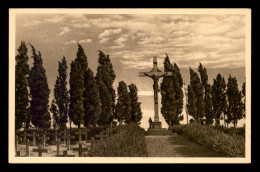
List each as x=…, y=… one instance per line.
x=191, y=104
x=91, y=100
x=21, y=88
x=39, y=91
x=234, y=103
x=61, y=94
x=123, y=106
x=54, y=111
x=78, y=68
x=172, y=94
x=197, y=88
x=219, y=98
x=105, y=77
x=136, y=113
x=207, y=94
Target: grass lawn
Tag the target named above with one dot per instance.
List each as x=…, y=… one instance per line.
x=186, y=148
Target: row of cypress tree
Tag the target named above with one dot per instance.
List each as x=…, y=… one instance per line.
x=89, y=102
x=207, y=103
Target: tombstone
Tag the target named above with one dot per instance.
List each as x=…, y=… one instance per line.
x=80, y=149
x=40, y=150
x=57, y=142
x=65, y=154
x=34, y=135
x=79, y=132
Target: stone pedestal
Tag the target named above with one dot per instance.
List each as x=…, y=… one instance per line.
x=156, y=125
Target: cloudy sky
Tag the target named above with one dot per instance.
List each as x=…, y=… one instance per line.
x=131, y=40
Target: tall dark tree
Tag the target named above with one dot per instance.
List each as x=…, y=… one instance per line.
x=136, y=113
x=234, y=97
x=209, y=115
x=78, y=68
x=105, y=77
x=197, y=87
x=39, y=91
x=21, y=88
x=172, y=94
x=123, y=106
x=61, y=94
x=92, y=100
x=219, y=98
x=54, y=111
x=191, y=104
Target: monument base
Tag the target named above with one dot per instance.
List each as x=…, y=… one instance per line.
x=156, y=125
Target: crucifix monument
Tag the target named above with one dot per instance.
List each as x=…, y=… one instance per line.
x=155, y=74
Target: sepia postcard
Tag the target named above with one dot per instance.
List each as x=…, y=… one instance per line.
x=108, y=85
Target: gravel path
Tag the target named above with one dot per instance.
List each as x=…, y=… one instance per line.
x=177, y=146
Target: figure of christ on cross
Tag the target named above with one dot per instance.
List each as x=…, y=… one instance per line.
x=155, y=74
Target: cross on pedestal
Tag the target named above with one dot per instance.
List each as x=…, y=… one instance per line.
x=79, y=132
x=33, y=135
x=57, y=142
x=155, y=74
x=80, y=149
x=40, y=150
x=65, y=154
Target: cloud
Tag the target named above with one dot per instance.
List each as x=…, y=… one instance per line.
x=82, y=25
x=64, y=30
x=85, y=41
x=70, y=42
x=104, y=40
x=109, y=32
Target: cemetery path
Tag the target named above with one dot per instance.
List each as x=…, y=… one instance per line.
x=177, y=146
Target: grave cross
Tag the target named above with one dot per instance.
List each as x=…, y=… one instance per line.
x=155, y=74
x=40, y=150
x=44, y=138
x=86, y=130
x=64, y=135
x=27, y=143
x=80, y=149
x=68, y=137
x=57, y=142
x=56, y=134
x=101, y=136
x=17, y=139
x=79, y=132
x=34, y=135
x=65, y=154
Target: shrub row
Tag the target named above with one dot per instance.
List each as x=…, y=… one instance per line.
x=231, y=145
x=128, y=142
